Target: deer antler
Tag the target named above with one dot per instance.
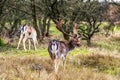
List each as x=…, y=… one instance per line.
x=59, y=27
x=75, y=26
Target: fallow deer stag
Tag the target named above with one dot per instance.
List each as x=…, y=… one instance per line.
x=59, y=49
x=27, y=32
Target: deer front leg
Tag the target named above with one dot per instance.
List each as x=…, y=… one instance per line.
x=21, y=36
x=24, y=40
x=55, y=68
x=56, y=65
x=35, y=43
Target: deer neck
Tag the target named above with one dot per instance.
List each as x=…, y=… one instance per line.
x=70, y=46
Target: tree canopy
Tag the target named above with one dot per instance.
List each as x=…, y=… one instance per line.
x=87, y=14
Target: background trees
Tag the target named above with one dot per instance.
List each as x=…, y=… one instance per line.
x=87, y=14
x=92, y=13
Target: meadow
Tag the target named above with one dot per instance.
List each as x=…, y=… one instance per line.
x=101, y=61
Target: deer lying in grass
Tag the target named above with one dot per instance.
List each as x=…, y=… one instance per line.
x=59, y=49
x=27, y=32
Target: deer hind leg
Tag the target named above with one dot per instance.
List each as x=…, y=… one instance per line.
x=24, y=40
x=21, y=37
x=64, y=61
x=35, y=42
x=29, y=44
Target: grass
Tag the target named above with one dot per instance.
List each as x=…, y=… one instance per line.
x=8, y=51
x=54, y=31
x=108, y=44
x=78, y=51
x=84, y=67
x=99, y=62
x=84, y=62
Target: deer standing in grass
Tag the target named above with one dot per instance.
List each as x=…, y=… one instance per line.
x=27, y=32
x=59, y=49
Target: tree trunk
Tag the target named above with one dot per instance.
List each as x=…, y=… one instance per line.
x=33, y=8
x=2, y=2
x=48, y=27
x=44, y=28
x=66, y=37
x=1, y=28
x=14, y=27
x=40, y=26
x=89, y=42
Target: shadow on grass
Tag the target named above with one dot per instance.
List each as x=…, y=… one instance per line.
x=7, y=47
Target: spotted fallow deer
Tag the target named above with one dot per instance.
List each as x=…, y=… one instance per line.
x=59, y=49
x=27, y=32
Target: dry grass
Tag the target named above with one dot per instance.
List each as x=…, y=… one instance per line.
x=41, y=68
x=99, y=62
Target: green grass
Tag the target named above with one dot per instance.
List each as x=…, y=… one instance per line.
x=84, y=63
x=109, y=44
x=105, y=64
x=54, y=31
x=117, y=29
x=9, y=51
x=78, y=51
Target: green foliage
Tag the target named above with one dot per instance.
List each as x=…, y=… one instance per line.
x=1, y=42
x=90, y=24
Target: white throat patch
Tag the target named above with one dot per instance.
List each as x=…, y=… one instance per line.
x=54, y=48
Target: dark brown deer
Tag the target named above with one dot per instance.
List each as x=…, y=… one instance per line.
x=59, y=49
